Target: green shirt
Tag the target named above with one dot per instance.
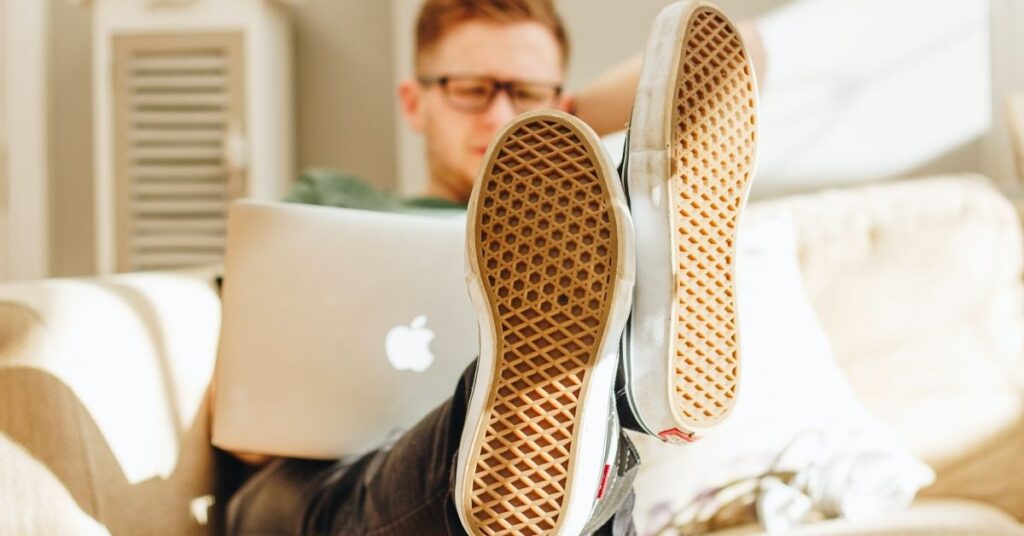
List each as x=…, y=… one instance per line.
x=330, y=188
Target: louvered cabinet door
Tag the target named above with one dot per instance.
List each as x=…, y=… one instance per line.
x=179, y=139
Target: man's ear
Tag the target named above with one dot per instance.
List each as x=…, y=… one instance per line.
x=410, y=97
x=567, y=103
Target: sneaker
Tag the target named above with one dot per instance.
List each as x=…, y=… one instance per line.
x=687, y=170
x=550, y=268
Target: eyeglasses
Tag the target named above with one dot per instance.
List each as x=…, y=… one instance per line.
x=474, y=94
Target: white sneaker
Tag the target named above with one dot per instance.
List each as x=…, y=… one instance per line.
x=687, y=170
x=550, y=267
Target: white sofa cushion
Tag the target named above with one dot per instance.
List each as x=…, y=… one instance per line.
x=918, y=285
x=789, y=384
x=103, y=409
x=929, y=517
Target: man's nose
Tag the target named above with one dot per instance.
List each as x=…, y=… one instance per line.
x=499, y=112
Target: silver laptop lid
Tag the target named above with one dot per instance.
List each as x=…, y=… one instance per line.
x=339, y=326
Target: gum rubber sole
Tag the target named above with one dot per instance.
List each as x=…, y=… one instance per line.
x=545, y=246
x=715, y=129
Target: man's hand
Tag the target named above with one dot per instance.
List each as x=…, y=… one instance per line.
x=249, y=458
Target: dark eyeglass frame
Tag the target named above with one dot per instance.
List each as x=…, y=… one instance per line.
x=508, y=86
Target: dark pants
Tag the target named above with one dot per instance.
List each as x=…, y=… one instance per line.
x=401, y=489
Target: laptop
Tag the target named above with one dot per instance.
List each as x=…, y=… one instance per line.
x=340, y=327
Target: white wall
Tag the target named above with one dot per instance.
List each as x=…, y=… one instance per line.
x=873, y=90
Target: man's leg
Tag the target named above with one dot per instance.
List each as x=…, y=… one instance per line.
x=272, y=501
x=405, y=488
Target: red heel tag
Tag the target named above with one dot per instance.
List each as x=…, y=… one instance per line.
x=604, y=480
x=677, y=436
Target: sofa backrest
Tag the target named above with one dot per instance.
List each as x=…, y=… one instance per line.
x=918, y=286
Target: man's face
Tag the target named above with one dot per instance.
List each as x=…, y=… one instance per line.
x=456, y=140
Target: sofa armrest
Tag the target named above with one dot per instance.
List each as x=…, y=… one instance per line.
x=103, y=416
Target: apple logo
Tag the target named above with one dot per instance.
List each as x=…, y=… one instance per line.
x=408, y=347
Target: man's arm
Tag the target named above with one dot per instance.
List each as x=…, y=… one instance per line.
x=606, y=102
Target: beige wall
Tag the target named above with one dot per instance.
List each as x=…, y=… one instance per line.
x=1007, y=79
x=345, y=91
x=26, y=47
x=3, y=145
x=71, y=163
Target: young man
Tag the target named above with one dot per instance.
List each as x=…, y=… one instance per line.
x=531, y=443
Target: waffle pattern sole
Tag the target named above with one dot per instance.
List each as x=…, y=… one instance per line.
x=715, y=124
x=545, y=246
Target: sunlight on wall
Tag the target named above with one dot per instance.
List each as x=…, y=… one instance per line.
x=872, y=89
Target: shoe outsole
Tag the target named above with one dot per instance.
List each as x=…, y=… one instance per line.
x=544, y=226
x=692, y=149
x=715, y=121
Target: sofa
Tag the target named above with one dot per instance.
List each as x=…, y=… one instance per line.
x=104, y=409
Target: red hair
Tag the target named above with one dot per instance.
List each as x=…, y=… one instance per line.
x=438, y=17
